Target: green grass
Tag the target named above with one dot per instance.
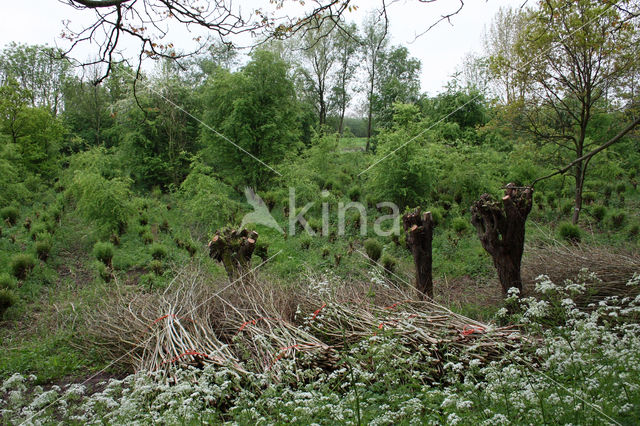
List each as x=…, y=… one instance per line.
x=50, y=357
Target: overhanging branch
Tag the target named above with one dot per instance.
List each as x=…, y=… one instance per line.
x=588, y=156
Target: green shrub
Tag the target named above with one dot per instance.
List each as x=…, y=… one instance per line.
x=103, y=251
x=147, y=237
x=114, y=239
x=158, y=251
x=262, y=249
x=102, y=271
x=570, y=232
x=7, y=300
x=38, y=230
x=567, y=207
x=634, y=230
x=388, y=263
x=21, y=264
x=43, y=248
x=589, y=197
x=147, y=280
x=355, y=193
x=608, y=190
x=373, y=248
x=621, y=188
x=326, y=251
x=305, y=241
x=157, y=267
x=437, y=214
x=10, y=214
x=103, y=201
x=315, y=224
x=460, y=224
x=617, y=219
x=164, y=226
x=599, y=213
x=7, y=281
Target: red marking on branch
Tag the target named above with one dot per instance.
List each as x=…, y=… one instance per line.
x=187, y=353
x=398, y=303
x=468, y=330
x=317, y=311
x=170, y=316
x=254, y=322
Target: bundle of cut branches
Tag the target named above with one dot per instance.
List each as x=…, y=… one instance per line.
x=254, y=324
x=611, y=269
x=419, y=324
x=152, y=331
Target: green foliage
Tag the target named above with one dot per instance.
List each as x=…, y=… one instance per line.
x=21, y=264
x=207, y=199
x=354, y=193
x=465, y=107
x=569, y=232
x=156, y=266
x=103, y=201
x=146, y=236
x=255, y=108
x=158, y=251
x=7, y=281
x=7, y=300
x=406, y=178
x=305, y=241
x=10, y=214
x=147, y=280
x=388, y=263
x=373, y=248
x=460, y=224
x=598, y=212
x=398, y=82
x=617, y=219
x=104, y=251
x=43, y=248
x=37, y=230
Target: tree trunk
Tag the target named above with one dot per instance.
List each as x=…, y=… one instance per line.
x=370, y=115
x=577, y=208
x=419, y=231
x=501, y=229
x=234, y=249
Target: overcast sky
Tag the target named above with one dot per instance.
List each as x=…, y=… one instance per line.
x=441, y=50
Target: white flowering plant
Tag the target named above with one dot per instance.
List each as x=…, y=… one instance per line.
x=583, y=369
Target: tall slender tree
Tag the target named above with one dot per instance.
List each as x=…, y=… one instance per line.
x=575, y=54
x=374, y=42
x=346, y=46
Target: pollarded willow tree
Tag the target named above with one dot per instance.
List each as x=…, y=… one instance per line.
x=572, y=56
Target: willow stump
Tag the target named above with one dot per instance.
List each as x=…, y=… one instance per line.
x=419, y=232
x=501, y=227
x=234, y=249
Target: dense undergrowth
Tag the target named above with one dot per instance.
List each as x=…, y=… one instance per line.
x=581, y=366
x=115, y=193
